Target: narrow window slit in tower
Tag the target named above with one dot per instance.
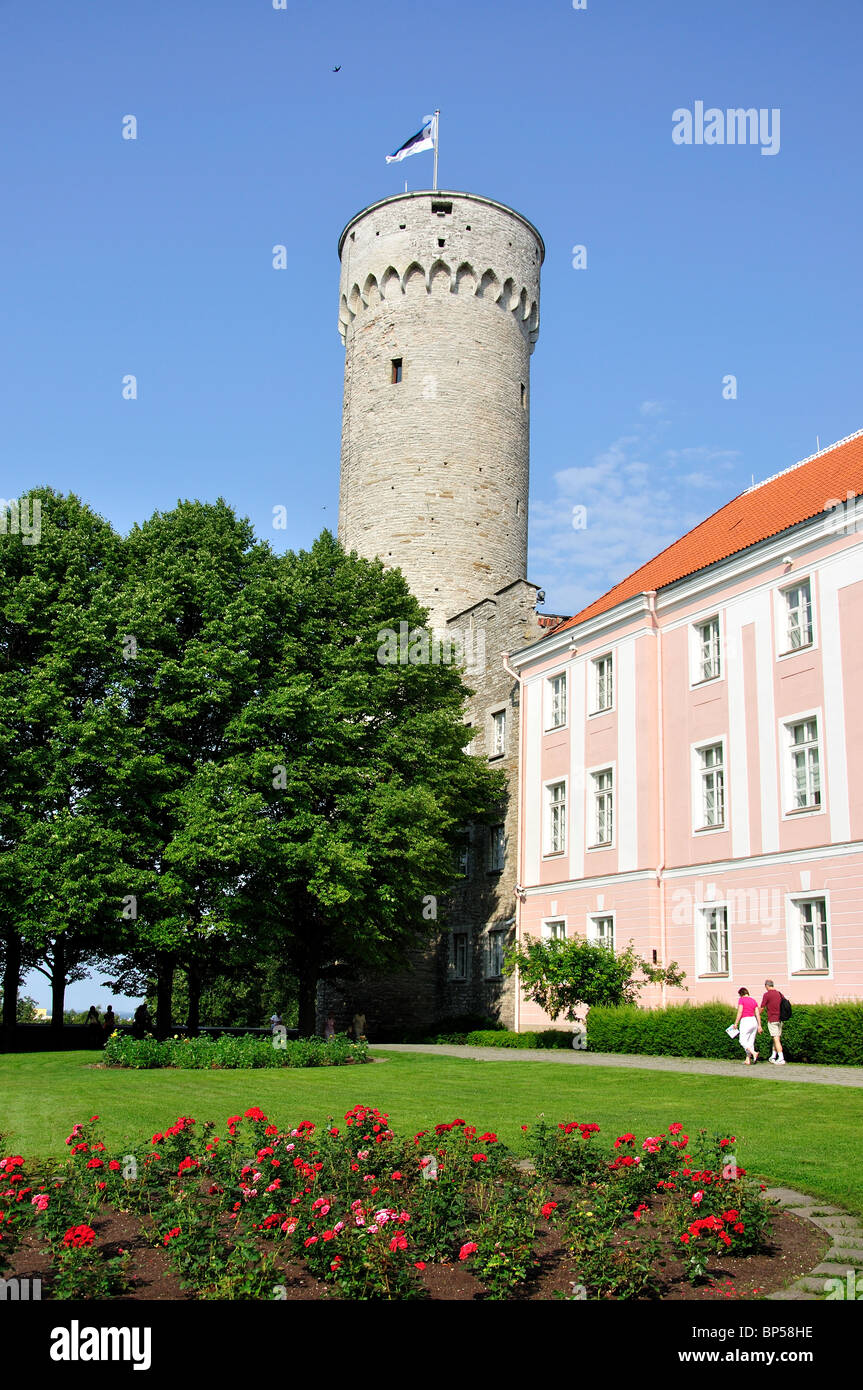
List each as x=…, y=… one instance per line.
x=441, y=241
x=396, y=371
x=523, y=397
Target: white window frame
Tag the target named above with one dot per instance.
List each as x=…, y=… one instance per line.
x=499, y=933
x=591, y=931
x=785, y=725
x=782, y=617
x=794, y=934
x=548, y=852
x=548, y=726
x=698, y=827
x=702, y=970
x=494, y=715
x=590, y=810
x=495, y=868
x=547, y=923
x=453, y=957
x=594, y=684
x=696, y=676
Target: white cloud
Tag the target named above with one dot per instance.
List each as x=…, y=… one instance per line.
x=639, y=498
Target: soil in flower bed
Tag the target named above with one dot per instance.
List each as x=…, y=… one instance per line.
x=795, y=1248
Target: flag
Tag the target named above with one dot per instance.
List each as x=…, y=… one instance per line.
x=423, y=140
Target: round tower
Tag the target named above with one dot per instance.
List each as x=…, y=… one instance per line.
x=439, y=314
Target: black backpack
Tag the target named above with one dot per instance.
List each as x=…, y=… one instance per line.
x=785, y=1010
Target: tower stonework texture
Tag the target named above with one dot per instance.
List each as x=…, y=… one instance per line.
x=439, y=314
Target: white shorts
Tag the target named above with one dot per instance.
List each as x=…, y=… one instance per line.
x=748, y=1027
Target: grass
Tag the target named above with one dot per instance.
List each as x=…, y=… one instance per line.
x=800, y=1135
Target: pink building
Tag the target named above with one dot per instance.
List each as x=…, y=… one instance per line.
x=691, y=772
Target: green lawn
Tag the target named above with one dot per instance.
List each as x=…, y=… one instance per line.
x=805, y=1136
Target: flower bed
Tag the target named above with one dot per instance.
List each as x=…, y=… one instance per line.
x=355, y=1211
x=244, y=1051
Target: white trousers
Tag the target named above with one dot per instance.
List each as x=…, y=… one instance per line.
x=748, y=1028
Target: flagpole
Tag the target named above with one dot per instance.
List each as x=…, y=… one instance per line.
x=436, y=141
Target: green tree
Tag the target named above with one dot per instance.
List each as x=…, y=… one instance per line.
x=199, y=624
x=59, y=658
x=561, y=974
x=330, y=823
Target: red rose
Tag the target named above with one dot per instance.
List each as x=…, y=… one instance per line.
x=467, y=1250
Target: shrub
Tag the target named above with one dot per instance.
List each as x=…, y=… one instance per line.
x=827, y=1034
x=246, y=1051
x=550, y=1037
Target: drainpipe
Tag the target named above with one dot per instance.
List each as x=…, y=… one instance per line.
x=660, y=738
x=517, y=678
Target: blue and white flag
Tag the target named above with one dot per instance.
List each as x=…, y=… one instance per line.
x=423, y=140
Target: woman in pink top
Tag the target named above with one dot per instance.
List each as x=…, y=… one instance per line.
x=749, y=1021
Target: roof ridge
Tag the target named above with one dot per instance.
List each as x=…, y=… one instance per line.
x=828, y=449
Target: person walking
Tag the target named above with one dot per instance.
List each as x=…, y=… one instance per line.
x=772, y=1002
x=749, y=1022
x=110, y=1022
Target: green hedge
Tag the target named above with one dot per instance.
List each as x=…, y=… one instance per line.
x=829, y=1034
x=501, y=1037
x=245, y=1051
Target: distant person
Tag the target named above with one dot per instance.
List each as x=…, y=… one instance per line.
x=772, y=1002
x=143, y=1021
x=748, y=1019
x=110, y=1022
x=275, y=1023
x=94, y=1026
x=359, y=1022
x=330, y=1027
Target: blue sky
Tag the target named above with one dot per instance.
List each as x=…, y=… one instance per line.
x=154, y=256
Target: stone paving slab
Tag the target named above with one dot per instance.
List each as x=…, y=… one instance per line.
x=693, y=1066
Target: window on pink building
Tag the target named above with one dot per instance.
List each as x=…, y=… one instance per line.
x=714, y=941
x=805, y=765
x=798, y=604
x=600, y=930
x=709, y=655
x=556, y=811
x=554, y=931
x=712, y=761
x=603, y=807
x=603, y=674
x=556, y=702
x=811, y=947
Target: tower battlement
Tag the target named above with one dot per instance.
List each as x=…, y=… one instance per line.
x=439, y=314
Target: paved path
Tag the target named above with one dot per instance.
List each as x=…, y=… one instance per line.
x=694, y=1066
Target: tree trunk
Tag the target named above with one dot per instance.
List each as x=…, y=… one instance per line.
x=308, y=993
x=193, y=1017
x=164, y=995
x=58, y=983
x=10, y=981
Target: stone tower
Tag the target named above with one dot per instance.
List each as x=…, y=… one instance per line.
x=439, y=314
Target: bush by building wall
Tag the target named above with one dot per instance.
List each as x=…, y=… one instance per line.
x=829, y=1034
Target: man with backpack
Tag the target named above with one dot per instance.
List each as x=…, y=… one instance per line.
x=778, y=1010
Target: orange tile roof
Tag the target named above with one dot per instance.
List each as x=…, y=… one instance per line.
x=765, y=510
